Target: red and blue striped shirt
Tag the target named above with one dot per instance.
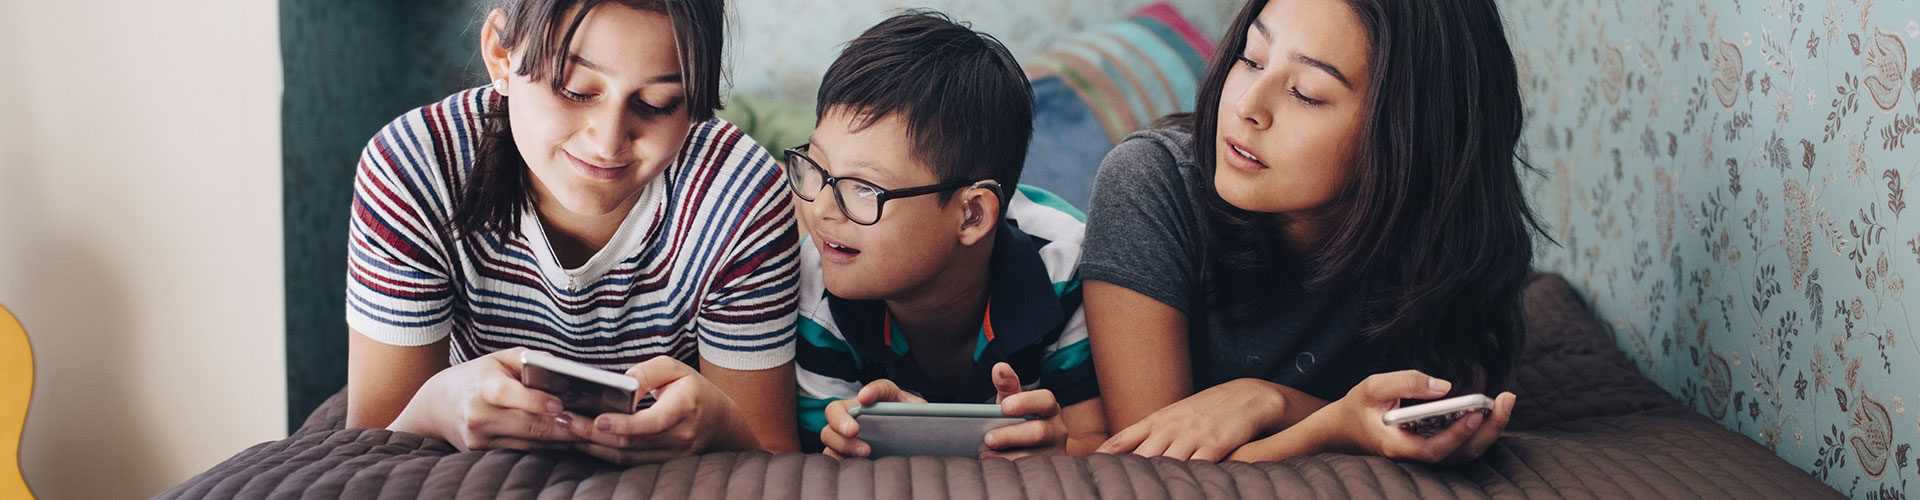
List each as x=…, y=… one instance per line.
x=705, y=263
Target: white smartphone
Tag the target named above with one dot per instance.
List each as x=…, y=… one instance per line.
x=929, y=429
x=1430, y=418
x=582, y=389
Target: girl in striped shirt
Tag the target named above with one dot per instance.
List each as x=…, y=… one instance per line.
x=587, y=204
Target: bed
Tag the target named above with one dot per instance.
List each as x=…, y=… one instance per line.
x=1587, y=426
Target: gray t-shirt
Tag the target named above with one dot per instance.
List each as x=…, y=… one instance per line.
x=1146, y=232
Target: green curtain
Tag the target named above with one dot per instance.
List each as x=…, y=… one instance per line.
x=351, y=66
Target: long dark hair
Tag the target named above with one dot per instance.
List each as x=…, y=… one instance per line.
x=497, y=190
x=1432, y=230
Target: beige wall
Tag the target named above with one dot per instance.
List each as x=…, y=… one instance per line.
x=140, y=238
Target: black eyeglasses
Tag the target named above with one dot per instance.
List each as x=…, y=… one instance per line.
x=859, y=199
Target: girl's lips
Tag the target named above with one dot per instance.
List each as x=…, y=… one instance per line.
x=1233, y=152
x=592, y=171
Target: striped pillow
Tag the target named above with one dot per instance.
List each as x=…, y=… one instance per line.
x=1093, y=89
x=1132, y=71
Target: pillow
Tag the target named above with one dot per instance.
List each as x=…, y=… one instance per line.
x=1093, y=89
x=776, y=125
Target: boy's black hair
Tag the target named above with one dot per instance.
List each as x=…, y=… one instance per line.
x=966, y=103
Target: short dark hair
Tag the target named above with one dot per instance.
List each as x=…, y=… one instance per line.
x=966, y=103
x=497, y=190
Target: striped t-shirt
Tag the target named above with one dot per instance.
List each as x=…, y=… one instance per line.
x=1033, y=322
x=706, y=258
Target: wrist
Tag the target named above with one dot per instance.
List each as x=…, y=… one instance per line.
x=416, y=419
x=1269, y=405
x=1332, y=431
x=1310, y=437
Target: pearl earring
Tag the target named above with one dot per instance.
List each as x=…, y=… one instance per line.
x=500, y=85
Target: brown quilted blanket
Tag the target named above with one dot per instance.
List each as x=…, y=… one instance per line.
x=1587, y=426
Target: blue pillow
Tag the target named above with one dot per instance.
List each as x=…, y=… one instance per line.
x=1068, y=143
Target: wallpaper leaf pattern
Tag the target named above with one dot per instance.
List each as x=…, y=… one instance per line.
x=1727, y=182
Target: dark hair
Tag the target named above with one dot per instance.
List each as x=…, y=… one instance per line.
x=497, y=190
x=967, y=106
x=1433, y=227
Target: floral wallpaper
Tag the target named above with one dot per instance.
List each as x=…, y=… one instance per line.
x=1727, y=181
x=780, y=48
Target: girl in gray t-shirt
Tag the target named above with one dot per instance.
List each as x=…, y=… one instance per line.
x=1344, y=202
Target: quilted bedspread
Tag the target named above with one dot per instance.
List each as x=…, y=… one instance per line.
x=1587, y=426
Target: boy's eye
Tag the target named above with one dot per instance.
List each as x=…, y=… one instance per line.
x=865, y=191
x=1250, y=64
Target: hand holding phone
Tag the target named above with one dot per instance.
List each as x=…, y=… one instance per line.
x=929, y=429
x=582, y=389
x=1430, y=418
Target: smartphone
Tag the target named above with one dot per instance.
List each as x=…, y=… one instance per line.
x=582, y=389
x=1430, y=418
x=929, y=429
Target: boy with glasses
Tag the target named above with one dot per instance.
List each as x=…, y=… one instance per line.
x=929, y=274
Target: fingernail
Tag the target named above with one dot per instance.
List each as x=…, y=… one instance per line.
x=846, y=428
x=603, y=424
x=861, y=450
x=1473, y=420
x=991, y=442
x=1437, y=385
x=564, y=420
x=553, y=406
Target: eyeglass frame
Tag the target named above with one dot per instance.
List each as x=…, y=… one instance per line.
x=831, y=182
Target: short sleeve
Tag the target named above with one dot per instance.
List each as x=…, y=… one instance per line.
x=399, y=289
x=746, y=321
x=1143, y=232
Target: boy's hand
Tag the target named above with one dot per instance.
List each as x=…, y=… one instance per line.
x=1047, y=435
x=841, y=433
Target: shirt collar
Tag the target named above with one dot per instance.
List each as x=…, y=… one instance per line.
x=1021, y=305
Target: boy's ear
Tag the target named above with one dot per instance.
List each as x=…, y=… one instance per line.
x=979, y=212
x=498, y=60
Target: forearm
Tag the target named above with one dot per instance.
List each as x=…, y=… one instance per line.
x=1309, y=436
x=419, y=420
x=740, y=436
x=760, y=406
x=384, y=380
x=1148, y=338
x=1086, y=423
x=1085, y=444
x=1294, y=405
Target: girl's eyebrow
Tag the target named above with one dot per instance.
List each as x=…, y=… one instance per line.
x=584, y=63
x=1335, y=72
x=1304, y=59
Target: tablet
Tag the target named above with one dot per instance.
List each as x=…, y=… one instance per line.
x=929, y=429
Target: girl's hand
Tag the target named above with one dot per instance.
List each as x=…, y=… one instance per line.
x=1206, y=426
x=842, y=431
x=481, y=405
x=689, y=415
x=1047, y=435
x=1365, y=407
